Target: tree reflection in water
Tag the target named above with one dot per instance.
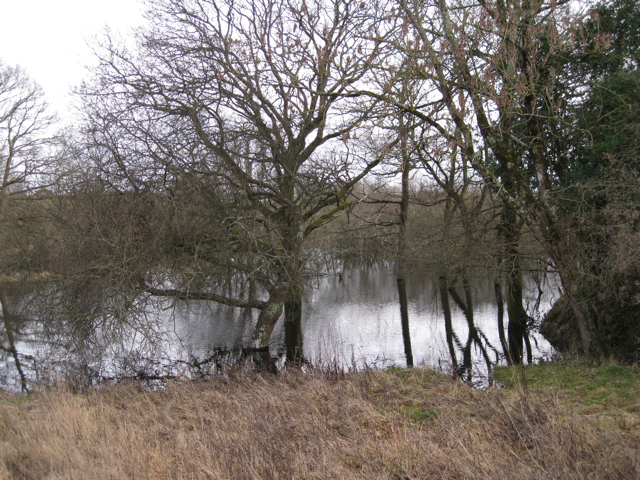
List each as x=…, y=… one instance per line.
x=353, y=323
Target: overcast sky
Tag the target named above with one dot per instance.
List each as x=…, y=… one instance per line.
x=49, y=38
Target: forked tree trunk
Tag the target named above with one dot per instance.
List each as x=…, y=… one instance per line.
x=266, y=323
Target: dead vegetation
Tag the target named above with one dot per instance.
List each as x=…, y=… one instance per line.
x=409, y=424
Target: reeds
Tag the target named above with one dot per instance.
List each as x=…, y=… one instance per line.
x=411, y=424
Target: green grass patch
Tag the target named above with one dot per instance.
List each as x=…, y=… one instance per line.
x=605, y=385
x=16, y=399
x=427, y=415
x=416, y=376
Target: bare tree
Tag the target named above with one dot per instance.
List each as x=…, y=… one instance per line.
x=491, y=65
x=25, y=126
x=30, y=160
x=252, y=105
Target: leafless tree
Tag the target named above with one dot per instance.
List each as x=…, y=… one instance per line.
x=254, y=106
x=490, y=65
x=25, y=129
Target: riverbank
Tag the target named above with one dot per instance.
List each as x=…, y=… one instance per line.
x=398, y=424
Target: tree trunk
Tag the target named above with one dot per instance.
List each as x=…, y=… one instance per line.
x=404, y=316
x=266, y=322
x=517, y=320
x=571, y=289
x=500, y=302
x=402, y=242
x=473, y=333
x=518, y=317
x=527, y=342
x=293, y=326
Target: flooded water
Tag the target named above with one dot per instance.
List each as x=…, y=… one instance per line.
x=349, y=321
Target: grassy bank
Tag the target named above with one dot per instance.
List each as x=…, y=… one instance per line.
x=402, y=424
x=606, y=391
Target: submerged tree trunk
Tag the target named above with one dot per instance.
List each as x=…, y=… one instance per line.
x=402, y=243
x=267, y=320
x=527, y=342
x=259, y=350
x=518, y=318
x=500, y=303
x=293, y=326
x=404, y=316
x=517, y=314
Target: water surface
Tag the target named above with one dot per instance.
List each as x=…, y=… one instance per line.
x=350, y=321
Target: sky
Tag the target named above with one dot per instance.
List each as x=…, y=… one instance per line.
x=49, y=39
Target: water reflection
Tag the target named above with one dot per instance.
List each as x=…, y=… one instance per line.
x=404, y=318
x=359, y=321
x=16, y=339
x=11, y=323
x=350, y=321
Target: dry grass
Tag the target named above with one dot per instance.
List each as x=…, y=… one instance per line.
x=376, y=425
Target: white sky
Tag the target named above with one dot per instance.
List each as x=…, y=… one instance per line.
x=48, y=38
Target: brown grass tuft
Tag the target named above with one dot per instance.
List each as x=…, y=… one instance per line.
x=377, y=425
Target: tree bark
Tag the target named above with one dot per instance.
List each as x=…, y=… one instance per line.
x=267, y=320
x=517, y=315
x=402, y=242
x=500, y=303
x=527, y=342
x=293, y=326
x=404, y=316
